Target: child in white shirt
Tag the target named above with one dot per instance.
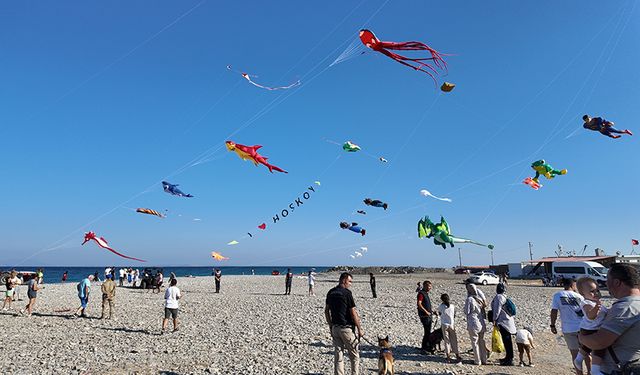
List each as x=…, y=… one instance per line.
x=447, y=314
x=594, y=314
x=524, y=341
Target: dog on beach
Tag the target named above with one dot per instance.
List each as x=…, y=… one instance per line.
x=435, y=339
x=385, y=358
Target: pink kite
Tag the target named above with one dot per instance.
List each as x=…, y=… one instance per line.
x=248, y=78
x=103, y=244
x=371, y=41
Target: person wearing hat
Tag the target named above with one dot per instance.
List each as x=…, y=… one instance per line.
x=108, y=296
x=84, y=289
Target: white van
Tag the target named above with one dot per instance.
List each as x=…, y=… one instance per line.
x=576, y=270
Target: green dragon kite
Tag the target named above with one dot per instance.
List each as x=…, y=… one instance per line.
x=441, y=233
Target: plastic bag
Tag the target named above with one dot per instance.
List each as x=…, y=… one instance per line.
x=497, y=346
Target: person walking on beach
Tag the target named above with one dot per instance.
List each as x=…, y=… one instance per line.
x=372, y=283
x=64, y=276
x=11, y=284
x=343, y=319
x=312, y=281
x=108, y=297
x=474, y=309
x=84, y=289
x=524, y=341
x=567, y=303
x=122, y=273
x=288, y=280
x=218, y=277
x=447, y=313
x=425, y=313
x=159, y=281
x=621, y=327
x=32, y=293
x=171, y=305
x=505, y=323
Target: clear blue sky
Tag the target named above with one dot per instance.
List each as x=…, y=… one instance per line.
x=103, y=100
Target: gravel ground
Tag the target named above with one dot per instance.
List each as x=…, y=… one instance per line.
x=252, y=328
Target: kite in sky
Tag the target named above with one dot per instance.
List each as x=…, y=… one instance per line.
x=382, y=159
x=361, y=212
x=441, y=233
x=427, y=193
x=262, y=226
x=149, y=211
x=218, y=256
x=248, y=78
x=349, y=146
x=251, y=153
x=542, y=168
x=234, y=242
x=353, y=227
x=103, y=244
x=447, y=86
x=173, y=190
x=369, y=39
x=603, y=126
x=375, y=203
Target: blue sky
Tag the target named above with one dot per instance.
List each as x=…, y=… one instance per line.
x=102, y=101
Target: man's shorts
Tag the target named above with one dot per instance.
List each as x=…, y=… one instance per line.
x=170, y=313
x=84, y=301
x=572, y=340
x=8, y=293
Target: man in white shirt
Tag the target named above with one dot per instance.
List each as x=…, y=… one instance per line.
x=171, y=297
x=567, y=302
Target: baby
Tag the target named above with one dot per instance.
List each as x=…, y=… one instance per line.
x=594, y=314
x=524, y=340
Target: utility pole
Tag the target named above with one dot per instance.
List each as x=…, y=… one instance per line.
x=530, y=252
x=492, y=257
x=460, y=257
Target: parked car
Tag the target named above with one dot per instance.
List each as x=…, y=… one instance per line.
x=484, y=278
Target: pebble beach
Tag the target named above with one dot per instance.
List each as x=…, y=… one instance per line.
x=250, y=327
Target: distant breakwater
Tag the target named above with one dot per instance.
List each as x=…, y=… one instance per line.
x=387, y=270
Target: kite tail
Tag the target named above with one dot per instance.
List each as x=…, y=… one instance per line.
x=124, y=256
x=418, y=46
x=401, y=59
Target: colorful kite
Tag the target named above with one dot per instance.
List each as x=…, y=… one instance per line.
x=149, y=211
x=248, y=78
x=534, y=185
x=317, y=182
x=353, y=227
x=603, y=126
x=218, y=256
x=234, y=242
x=427, y=193
x=103, y=244
x=447, y=87
x=262, y=226
x=173, y=190
x=369, y=39
x=441, y=233
x=382, y=159
x=349, y=146
x=251, y=153
x=544, y=169
x=375, y=203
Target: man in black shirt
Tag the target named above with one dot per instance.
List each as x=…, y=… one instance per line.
x=343, y=319
x=218, y=277
x=288, y=280
x=425, y=313
x=372, y=282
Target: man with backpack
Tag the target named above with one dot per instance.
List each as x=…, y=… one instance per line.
x=503, y=311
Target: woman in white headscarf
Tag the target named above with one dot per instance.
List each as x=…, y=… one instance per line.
x=474, y=309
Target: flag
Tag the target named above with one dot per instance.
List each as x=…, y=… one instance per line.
x=635, y=242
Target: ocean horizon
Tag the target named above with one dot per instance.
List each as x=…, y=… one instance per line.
x=53, y=274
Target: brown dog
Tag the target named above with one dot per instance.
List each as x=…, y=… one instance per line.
x=385, y=358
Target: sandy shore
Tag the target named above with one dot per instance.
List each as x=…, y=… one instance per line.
x=251, y=328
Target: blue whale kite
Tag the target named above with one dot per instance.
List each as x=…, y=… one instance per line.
x=173, y=190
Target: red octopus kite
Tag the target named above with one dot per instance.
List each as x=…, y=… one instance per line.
x=103, y=244
x=371, y=41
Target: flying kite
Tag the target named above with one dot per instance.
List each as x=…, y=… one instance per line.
x=149, y=211
x=427, y=193
x=262, y=226
x=349, y=146
x=375, y=203
x=361, y=212
x=603, y=126
x=353, y=227
x=382, y=159
x=441, y=233
x=234, y=242
x=248, y=78
x=371, y=41
x=542, y=168
x=218, y=256
x=173, y=190
x=447, y=86
x=317, y=182
x=251, y=153
x=103, y=244
x=358, y=254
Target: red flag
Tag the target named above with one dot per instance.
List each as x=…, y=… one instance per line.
x=635, y=242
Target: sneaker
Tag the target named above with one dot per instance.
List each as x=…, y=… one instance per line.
x=531, y=365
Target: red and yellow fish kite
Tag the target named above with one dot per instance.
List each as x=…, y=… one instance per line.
x=251, y=153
